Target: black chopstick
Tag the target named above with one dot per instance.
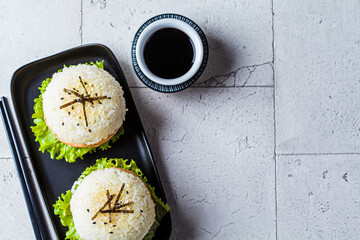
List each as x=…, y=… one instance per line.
x=20, y=166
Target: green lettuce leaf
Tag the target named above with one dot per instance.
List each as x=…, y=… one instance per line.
x=62, y=208
x=48, y=141
x=62, y=205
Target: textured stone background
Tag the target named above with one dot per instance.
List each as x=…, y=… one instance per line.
x=265, y=145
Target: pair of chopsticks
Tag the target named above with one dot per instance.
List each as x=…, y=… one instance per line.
x=24, y=176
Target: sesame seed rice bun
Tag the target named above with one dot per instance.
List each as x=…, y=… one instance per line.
x=91, y=195
x=83, y=106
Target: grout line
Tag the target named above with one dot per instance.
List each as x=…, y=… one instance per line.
x=316, y=154
x=274, y=106
x=5, y=158
x=81, y=22
x=209, y=87
x=273, y=31
x=247, y=86
x=234, y=73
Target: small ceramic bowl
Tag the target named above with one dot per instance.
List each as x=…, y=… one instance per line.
x=200, y=48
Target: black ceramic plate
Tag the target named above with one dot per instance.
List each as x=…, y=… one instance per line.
x=57, y=176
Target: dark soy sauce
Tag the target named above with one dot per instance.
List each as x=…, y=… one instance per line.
x=169, y=53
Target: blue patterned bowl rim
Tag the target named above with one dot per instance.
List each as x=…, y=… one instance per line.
x=172, y=88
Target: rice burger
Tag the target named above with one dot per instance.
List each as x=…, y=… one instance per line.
x=83, y=106
x=111, y=200
x=112, y=204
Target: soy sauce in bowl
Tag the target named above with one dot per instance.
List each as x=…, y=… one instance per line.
x=169, y=53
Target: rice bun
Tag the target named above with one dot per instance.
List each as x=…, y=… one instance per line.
x=92, y=206
x=83, y=106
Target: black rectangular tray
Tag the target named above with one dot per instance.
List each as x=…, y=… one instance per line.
x=57, y=176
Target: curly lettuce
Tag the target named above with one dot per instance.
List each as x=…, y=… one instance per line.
x=48, y=141
x=62, y=205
